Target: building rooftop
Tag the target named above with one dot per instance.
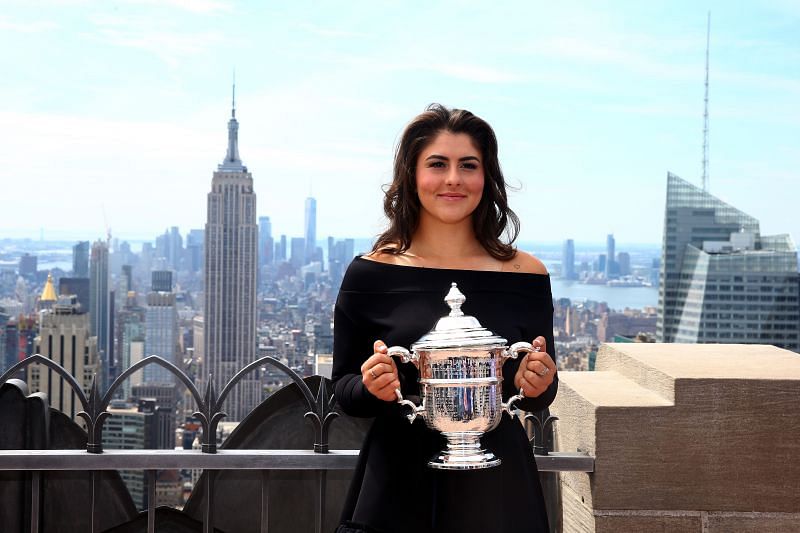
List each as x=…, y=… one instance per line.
x=49, y=292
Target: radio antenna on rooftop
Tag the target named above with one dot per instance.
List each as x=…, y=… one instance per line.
x=705, y=110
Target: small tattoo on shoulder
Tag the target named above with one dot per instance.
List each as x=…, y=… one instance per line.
x=516, y=266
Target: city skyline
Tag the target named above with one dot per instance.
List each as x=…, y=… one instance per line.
x=592, y=109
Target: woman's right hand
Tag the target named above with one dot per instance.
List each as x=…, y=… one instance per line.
x=379, y=374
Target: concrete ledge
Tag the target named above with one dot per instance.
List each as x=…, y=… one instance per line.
x=663, y=367
x=611, y=389
x=682, y=428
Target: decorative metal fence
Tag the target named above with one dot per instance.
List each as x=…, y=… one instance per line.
x=321, y=459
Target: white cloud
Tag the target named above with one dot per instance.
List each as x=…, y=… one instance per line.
x=786, y=8
x=37, y=26
x=671, y=109
x=147, y=175
x=193, y=6
x=645, y=55
x=606, y=51
x=140, y=33
x=477, y=73
x=79, y=166
x=331, y=32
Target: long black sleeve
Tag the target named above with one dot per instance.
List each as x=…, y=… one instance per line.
x=542, y=325
x=351, y=347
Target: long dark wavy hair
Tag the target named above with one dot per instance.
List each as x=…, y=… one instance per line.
x=495, y=225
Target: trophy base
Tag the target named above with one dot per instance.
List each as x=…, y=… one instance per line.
x=464, y=452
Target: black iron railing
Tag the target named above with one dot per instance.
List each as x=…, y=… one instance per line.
x=209, y=412
x=209, y=406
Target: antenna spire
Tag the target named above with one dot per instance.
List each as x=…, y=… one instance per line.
x=705, y=109
x=233, y=96
x=232, y=162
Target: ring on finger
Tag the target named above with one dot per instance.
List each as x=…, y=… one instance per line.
x=372, y=373
x=544, y=372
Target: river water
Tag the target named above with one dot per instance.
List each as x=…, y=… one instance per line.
x=616, y=297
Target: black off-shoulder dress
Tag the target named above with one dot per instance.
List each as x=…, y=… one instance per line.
x=393, y=490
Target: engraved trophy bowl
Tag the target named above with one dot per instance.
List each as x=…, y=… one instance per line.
x=460, y=367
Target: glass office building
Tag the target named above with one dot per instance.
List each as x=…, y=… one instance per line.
x=721, y=281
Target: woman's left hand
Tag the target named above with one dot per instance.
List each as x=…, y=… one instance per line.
x=536, y=371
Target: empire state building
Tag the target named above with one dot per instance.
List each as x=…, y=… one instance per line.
x=231, y=245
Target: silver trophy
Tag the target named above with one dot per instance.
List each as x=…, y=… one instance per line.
x=460, y=367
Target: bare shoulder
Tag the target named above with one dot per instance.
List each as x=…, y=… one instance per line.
x=380, y=256
x=524, y=263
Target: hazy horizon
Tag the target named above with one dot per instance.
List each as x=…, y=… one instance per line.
x=137, y=242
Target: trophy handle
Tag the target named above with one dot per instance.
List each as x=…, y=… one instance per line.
x=415, y=409
x=519, y=347
x=404, y=355
x=513, y=352
x=509, y=405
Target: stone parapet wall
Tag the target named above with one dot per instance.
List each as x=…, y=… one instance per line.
x=700, y=438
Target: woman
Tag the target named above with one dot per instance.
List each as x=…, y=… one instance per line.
x=448, y=216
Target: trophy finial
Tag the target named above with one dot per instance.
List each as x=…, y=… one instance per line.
x=455, y=299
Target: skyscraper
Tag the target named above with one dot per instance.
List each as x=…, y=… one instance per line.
x=340, y=253
x=5, y=362
x=600, y=264
x=721, y=281
x=162, y=248
x=20, y=337
x=77, y=286
x=28, y=265
x=280, y=249
x=611, y=257
x=265, y=242
x=194, y=249
x=299, y=249
x=231, y=248
x=64, y=338
x=130, y=334
x=80, y=260
x=161, y=281
x=174, y=248
x=624, y=264
x=169, y=246
x=126, y=429
x=310, y=234
x=161, y=327
x=126, y=283
x=100, y=307
x=568, y=260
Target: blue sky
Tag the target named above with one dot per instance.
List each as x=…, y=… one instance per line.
x=114, y=112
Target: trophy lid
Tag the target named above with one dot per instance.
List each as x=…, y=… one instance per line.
x=458, y=330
